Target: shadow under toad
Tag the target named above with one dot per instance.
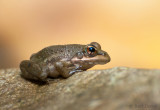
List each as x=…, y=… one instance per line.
x=48, y=81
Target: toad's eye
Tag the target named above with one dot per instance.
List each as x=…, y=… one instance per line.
x=91, y=50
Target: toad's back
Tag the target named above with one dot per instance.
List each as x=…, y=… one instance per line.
x=57, y=52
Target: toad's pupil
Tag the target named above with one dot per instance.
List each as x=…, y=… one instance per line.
x=91, y=49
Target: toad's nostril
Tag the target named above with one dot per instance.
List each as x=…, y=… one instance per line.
x=102, y=53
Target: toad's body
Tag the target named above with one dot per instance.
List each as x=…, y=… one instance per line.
x=63, y=60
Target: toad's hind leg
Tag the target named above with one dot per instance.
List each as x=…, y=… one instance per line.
x=32, y=70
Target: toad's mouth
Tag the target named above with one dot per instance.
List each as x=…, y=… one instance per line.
x=99, y=59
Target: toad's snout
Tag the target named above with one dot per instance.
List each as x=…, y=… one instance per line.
x=103, y=57
x=108, y=58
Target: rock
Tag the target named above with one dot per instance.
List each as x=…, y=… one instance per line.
x=119, y=88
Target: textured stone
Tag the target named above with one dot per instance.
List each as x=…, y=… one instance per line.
x=118, y=88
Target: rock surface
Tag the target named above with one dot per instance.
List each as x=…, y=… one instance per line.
x=119, y=88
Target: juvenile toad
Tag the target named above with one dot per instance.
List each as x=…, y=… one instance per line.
x=63, y=60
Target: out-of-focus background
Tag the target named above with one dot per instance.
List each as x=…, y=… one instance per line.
x=129, y=30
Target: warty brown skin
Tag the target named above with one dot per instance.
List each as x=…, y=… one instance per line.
x=63, y=60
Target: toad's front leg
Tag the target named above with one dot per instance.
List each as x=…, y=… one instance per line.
x=66, y=69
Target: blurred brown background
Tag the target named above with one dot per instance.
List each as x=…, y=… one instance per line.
x=129, y=30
